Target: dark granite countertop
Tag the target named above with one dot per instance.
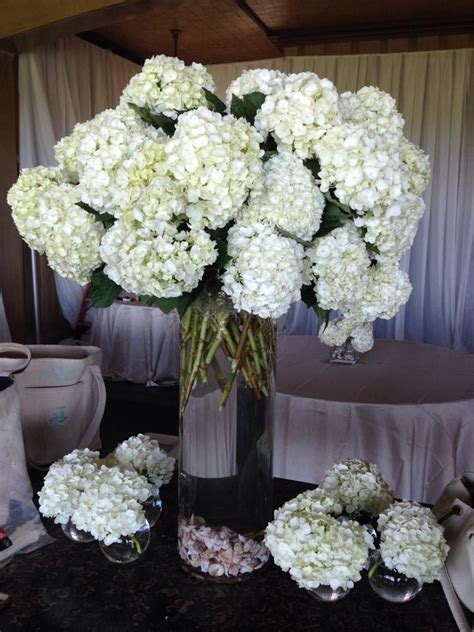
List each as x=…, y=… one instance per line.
x=68, y=586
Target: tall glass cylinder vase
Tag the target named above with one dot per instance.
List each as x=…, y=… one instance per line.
x=227, y=397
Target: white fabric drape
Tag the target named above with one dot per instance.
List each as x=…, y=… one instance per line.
x=61, y=84
x=435, y=93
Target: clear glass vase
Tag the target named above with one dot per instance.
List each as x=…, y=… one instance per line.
x=326, y=593
x=226, y=437
x=344, y=354
x=391, y=585
x=153, y=506
x=76, y=535
x=129, y=548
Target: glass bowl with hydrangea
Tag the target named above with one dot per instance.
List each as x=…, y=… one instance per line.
x=228, y=211
x=412, y=551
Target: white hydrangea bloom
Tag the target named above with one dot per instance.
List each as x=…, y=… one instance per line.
x=287, y=197
x=359, y=485
x=264, y=275
x=158, y=204
x=24, y=198
x=299, y=113
x=387, y=289
x=71, y=236
x=316, y=500
x=144, y=455
x=418, y=165
x=111, y=505
x=216, y=159
x=318, y=550
x=113, y=157
x=65, y=481
x=255, y=80
x=412, y=541
x=340, y=264
x=375, y=110
x=164, y=265
x=167, y=86
x=363, y=167
x=392, y=229
x=340, y=329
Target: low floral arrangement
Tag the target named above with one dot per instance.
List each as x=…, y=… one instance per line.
x=318, y=550
x=105, y=497
x=312, y=538
x=288, y=190
x=359, y=486
x=144, y=455
x=412, y=541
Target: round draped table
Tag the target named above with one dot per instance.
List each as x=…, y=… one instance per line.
x=409, y=407
x=139, y=343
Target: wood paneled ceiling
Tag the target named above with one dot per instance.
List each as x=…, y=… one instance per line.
x=218, y=31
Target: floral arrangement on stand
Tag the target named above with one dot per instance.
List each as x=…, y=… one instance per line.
x=325, y=551
x=109, y=500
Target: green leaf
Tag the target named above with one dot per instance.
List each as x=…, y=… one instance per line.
x=313, y=165
x=159, y=121
x=216, y=104
x=219, y=236
x=308, y=297
x=167, y=305
x=247, y=106
x=269, y=144
x=107, y=219
x=103, y=290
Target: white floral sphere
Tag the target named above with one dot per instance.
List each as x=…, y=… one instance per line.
x=288, y=197
x=24, y=198
x=216, y=160
x=160, y=204
x=362, y=167
x=145, y=262
x=388, y=288
x=71, y=235
x=412, y=541
x=255, y=80
x=339, y=330
x=359, y=486
x=265, y=271
x=299, y=113
x=418, y=166
x=144, y=455
x=113, y=157
x=167, y=86
x=318, y=550
x=375, y=110
x=340, y=265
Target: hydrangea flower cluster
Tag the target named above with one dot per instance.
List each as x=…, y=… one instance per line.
x=144, y=455
x=105, y=497
x=317, y=549
x=288, y=190
x=359, y=487
x=412, y=541
x=265, y=270
x=167, y=86
x=341, y=329
x=287, y=198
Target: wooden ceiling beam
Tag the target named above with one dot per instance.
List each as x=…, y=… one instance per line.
x=23, y=28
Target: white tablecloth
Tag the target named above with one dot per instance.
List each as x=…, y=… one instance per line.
x=408, y=407
x=4, y=329
x=138, y=343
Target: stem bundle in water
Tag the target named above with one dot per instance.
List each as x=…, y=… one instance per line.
x=246, y=341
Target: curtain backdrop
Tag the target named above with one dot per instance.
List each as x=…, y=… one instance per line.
x=61, y=84
x=435, y=93
x=70, y=81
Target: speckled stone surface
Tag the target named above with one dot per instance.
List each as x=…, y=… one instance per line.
x=68, y=586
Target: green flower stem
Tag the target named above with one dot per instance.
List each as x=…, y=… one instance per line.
x=238, y=360
x=344, y=208
x=136, y=545
x=254, y=354
x=221, y=328
x=286, y=233
x=374, y=567
x=218, y=373
x=197, y=360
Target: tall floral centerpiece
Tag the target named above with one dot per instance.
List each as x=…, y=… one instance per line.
x=229, y=212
